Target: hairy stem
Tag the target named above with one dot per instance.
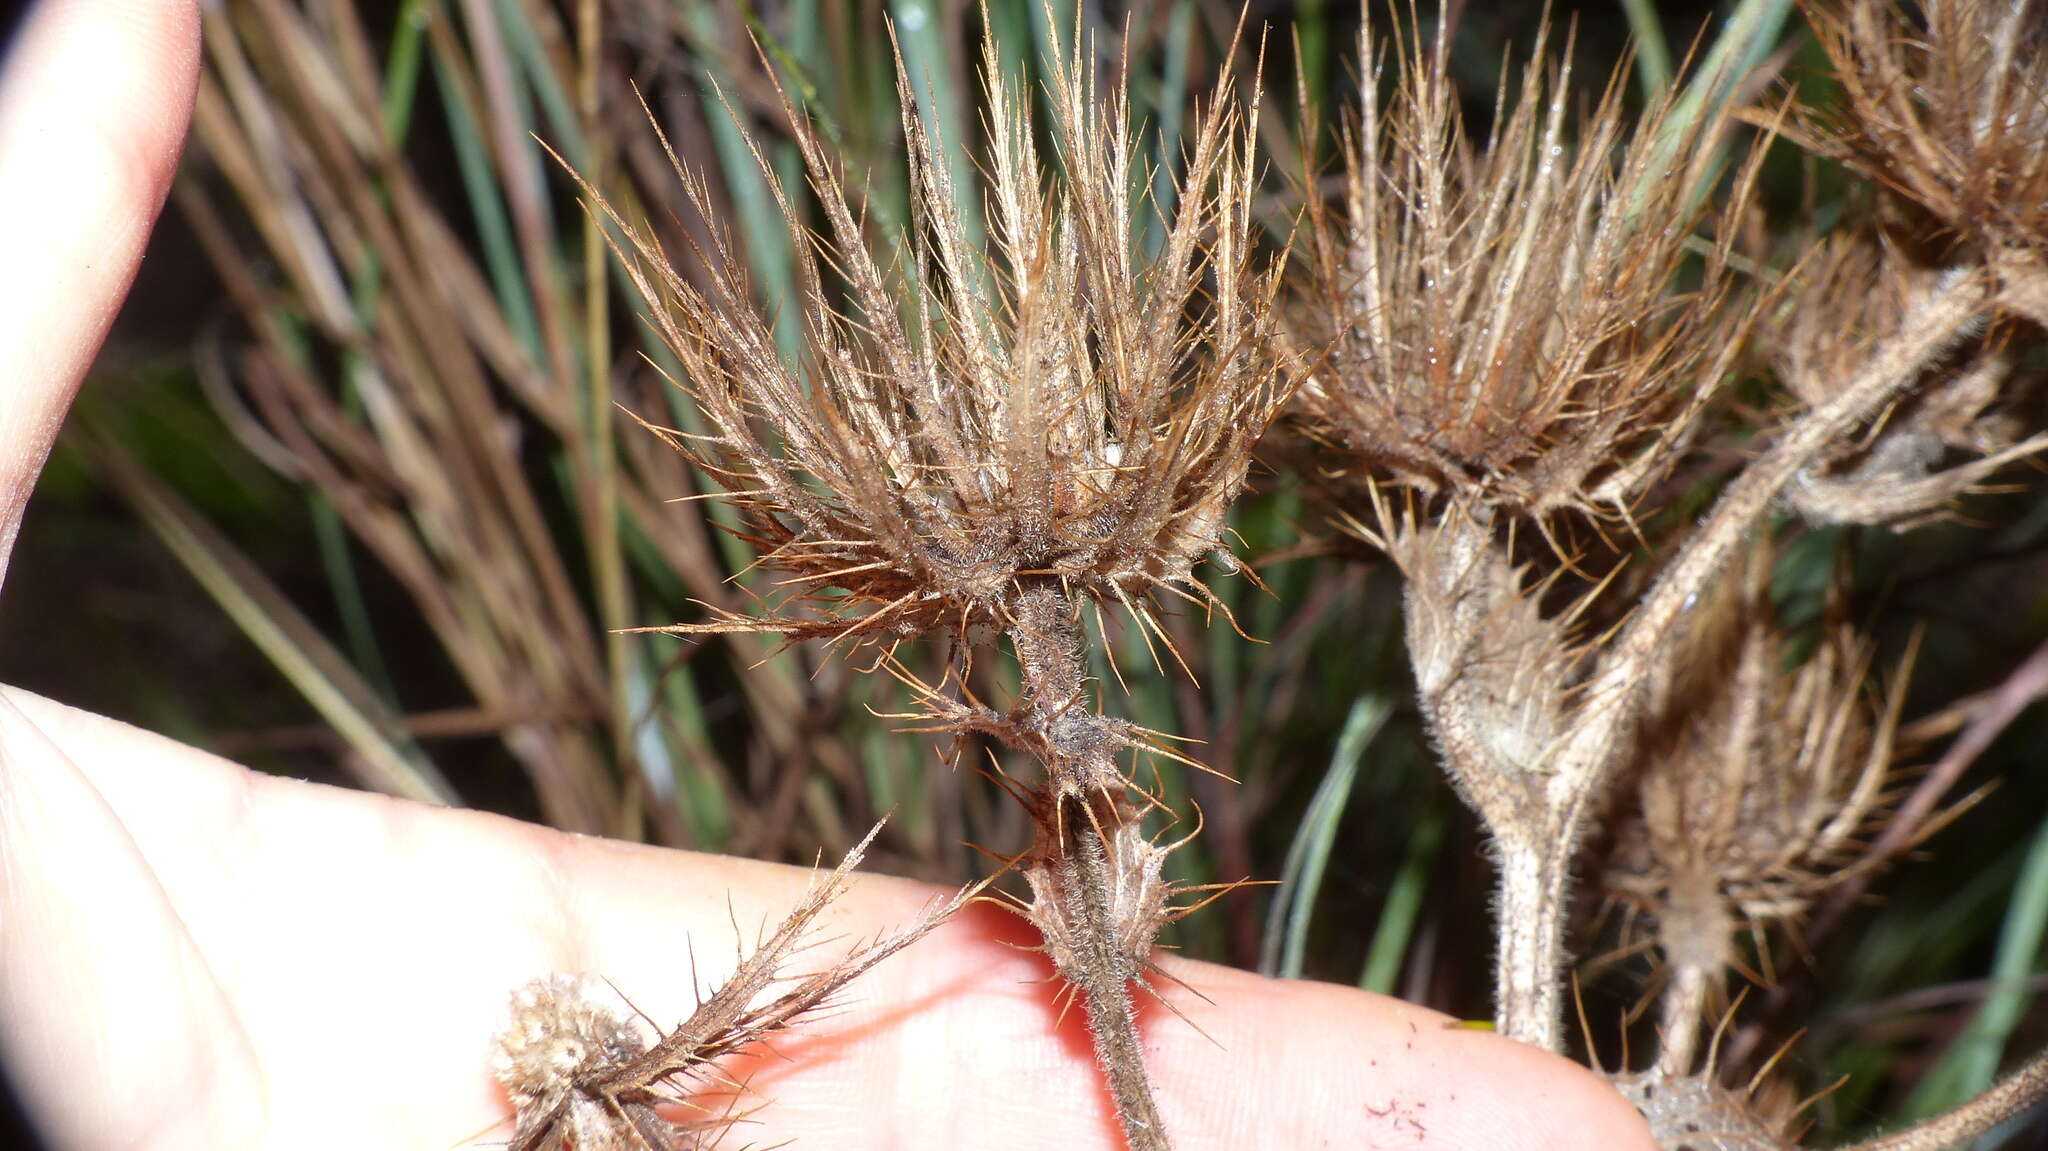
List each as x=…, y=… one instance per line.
x=1089, y=933
x=1617, y=693
x=2006, y=1098
x=1683, y=1004
x=1534, y=873
x=1532, y=905
x=1104, y=981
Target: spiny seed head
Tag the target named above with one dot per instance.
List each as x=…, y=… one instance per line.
x=1943, y=438
x=1123, y=867
x=563, y=1030
x=1695, y=1113
x=1059, y=403
x=1758, y=784
x=1500, y=318
x=1945, y=105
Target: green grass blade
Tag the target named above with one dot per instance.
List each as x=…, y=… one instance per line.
x=763, y=234
x=1173, y=99
x=1970, y=1064
x=1286, y=942
x=921, y=29
x=402, y=69
x=1653, y=51
x=1396, y=926
x=487, y=208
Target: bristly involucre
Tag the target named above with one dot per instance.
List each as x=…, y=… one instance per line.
x=1758, y=784
x=1501, y=318
x=1945, y=105
x=1944, y=438
x=1059, y=406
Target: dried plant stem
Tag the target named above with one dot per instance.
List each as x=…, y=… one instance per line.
x=1105, y=986
x=1538, y=841
x=2006, y=1098
x=1082, y=807
x=1683, y=1004
x=1642, y=647
x=1534, y=876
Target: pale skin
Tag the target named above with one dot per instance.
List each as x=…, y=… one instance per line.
x=195, y=955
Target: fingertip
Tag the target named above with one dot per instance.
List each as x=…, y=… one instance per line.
x=99, y=93
x=1309, y=1064
x=95, y=96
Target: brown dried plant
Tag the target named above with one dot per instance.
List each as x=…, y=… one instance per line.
x=1506, y=338
x=1525, y=336
x=980, y=443
x=582, y=1075
x=1933, y=446
x=1945, y=107
x=1054, y=410
x=1499, y=315
x=1538, y=289
x=1758, y=788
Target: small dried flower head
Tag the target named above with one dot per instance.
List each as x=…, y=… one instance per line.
x=1137, y=897
x=582, y=1077
x=1501, y=317
x=564, y=1030
x=1945, y=105
x=1694, y=1112
x=1758, y=784
x=1944, y=438
x=1059, y=406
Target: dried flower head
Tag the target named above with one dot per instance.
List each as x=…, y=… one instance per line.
x=1058, y=406
x=1128, y=869
x=562, y=1030
x=1945, y=105
x=1758, y=787
x=581, y=1075
x=1501, y=318
x=1694, y=1112
x=1940, y=440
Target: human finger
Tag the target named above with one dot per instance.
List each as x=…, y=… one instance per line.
x=376, y=942
x=95, y=96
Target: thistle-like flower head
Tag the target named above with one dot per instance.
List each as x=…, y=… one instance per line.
x=1945, y=104
x=1758, y=786
x=1061, y=405
x=1502, y=317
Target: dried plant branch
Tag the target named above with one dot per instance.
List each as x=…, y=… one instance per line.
x=2026, y=1086
x=1899, y=474
x=581, y=1075
x=976, y=441
x=1610, y=705
x=1756, y=787
x=1449, y=301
